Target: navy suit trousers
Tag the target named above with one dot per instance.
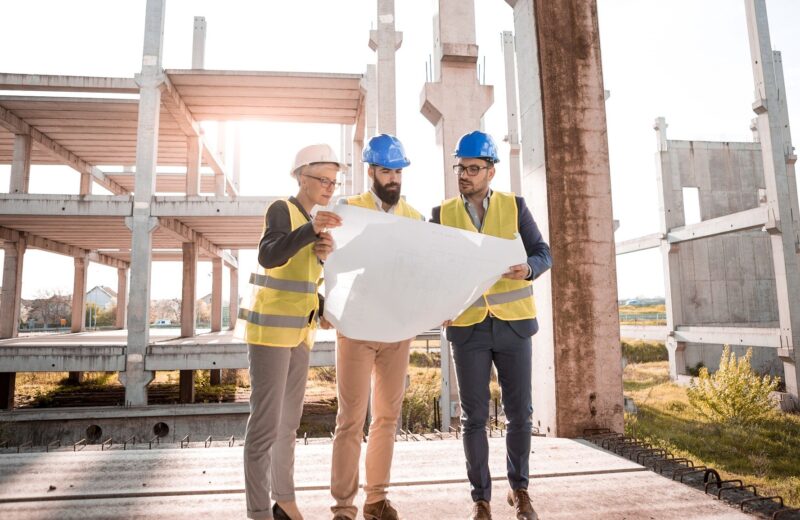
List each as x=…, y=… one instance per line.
x=494, y=341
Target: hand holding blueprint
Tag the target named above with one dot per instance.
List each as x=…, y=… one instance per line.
x=390, y=278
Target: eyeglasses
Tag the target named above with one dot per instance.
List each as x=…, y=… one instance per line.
x=326, y=183
x=472, y=170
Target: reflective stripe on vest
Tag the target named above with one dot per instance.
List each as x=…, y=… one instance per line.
x=509, y=300
x=367, y=200
x=283, y=299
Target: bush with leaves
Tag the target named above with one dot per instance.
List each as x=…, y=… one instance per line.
x=734, y=394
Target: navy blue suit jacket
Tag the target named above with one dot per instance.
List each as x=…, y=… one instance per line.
x=539, y=260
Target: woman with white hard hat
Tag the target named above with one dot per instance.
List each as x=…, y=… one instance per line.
x=279, y=325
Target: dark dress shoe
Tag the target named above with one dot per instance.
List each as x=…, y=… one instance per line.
x=382, y=510
x=278, y=513
x=481, y=510
x=521, y=502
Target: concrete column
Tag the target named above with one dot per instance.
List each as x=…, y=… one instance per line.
x=346, y=137
x=20, y=164
x=775, y=153
x=86, y=184
x=511, y=112
x=234, y=295
x=188, y=314
x=216, y=294
x=189, y=291
x=222, y=149
x=142, y=224
x=79, y=295
x=371, y=103
x=791, y=158
x=12, y=288
x=122, y=297
x=671, y=215
x=577, y=377
x=193, y=161
x=78, y=307
x=8, y=382
x=385, y=41
x=454, y=102
x=199, y=43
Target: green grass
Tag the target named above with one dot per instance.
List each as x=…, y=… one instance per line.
x=766, y=455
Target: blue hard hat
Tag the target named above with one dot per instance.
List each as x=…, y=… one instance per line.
x=387, y=151
x=477, y=145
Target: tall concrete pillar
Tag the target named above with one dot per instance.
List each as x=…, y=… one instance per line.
x=222, y=150
x=234, y=293
x=193, y=161
x=122, y=297
x=454, y=102
x=216, y=294
x=188, y=314
x=79, y=294
x=671, y=215
x=371, y=103
x=346, y=153
x=577, y=381
x=511, y=112
x=142, y=223
x=776, y=152
x=199, y=43
x=385, y=41
x=20, y=164
x=12, y=287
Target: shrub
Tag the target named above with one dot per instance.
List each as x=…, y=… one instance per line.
x=644, y=352
x=734, y=394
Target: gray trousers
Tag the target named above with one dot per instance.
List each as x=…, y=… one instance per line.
x=278, y=384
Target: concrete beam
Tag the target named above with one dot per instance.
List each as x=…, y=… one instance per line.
x=745, y=336
x=186, y=234
x=210, y=206
x=37, y=242
x=558, y=56
x=224, y=356
x=644, y=332
x=12, y=287
x=44, y=82
x=742, y=220
x=172, y=101
x=639, y=244
x=63, y=205
x=73, y=358
x=79, y=295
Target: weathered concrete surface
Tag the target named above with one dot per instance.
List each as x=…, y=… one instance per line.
x=578, y=379
x=569, y=480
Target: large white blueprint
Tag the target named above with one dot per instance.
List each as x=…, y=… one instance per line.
x=391, y=278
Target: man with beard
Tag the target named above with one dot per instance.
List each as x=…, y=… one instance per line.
x=358, y=361
x=497, y=328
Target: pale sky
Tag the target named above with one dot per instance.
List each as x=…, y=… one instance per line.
x=686, y=60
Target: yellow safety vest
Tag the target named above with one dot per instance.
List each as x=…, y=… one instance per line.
x=509, y=300
x=367, y=200
x=283, y=298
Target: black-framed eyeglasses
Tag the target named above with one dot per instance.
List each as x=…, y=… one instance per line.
x=326, y=183
x=472, y=170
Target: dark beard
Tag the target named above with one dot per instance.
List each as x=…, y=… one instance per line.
x=389, y=197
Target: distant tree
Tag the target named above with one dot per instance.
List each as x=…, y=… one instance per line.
x=167, y=309
x=51, y=306
x=203, y=312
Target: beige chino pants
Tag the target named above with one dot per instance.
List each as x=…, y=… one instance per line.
x=356, y=363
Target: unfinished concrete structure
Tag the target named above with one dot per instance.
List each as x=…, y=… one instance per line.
x=577, y=380
x=734, y=277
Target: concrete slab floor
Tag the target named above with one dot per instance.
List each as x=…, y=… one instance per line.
x=570, y=479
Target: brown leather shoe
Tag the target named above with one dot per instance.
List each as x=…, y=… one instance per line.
x=382, y=510
x=521, y=502
x=481, y=510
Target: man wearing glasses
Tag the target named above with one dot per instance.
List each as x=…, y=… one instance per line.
x=357, y=361
x=497, y=328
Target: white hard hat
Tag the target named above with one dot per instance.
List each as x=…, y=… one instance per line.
x=316, y=153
